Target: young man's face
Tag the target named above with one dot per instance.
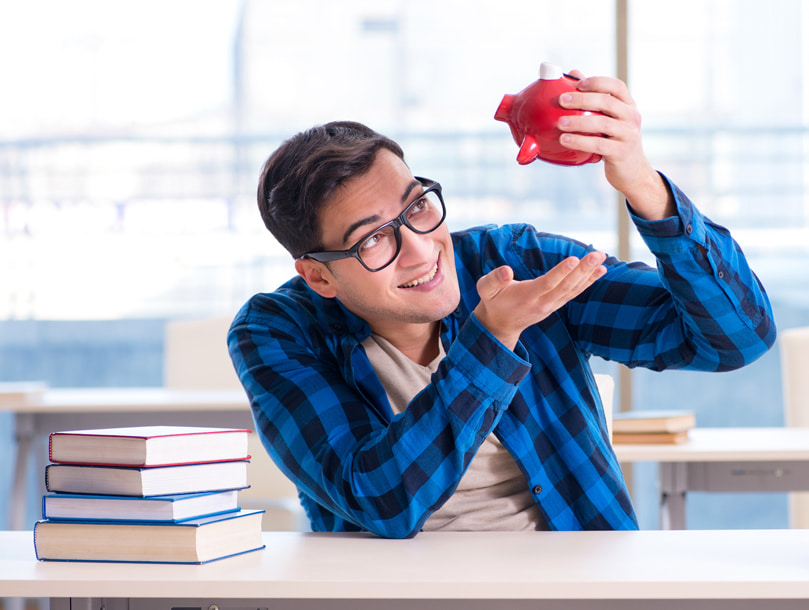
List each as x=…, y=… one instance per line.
x=418, y=288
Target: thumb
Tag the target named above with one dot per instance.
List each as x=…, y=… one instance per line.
x=493, y=282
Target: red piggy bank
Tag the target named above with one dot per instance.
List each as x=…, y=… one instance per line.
x=533, y=114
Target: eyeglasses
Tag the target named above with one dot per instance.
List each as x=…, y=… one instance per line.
x=380, y=247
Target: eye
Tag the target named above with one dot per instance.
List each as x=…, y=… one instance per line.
x=376, y=240
x=421, y=204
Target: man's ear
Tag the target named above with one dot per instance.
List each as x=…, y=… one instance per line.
x=317, y=277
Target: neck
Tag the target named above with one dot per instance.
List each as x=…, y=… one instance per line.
x=420, y=343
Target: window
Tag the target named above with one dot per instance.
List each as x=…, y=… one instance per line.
x=723, y=90
x=133, y=135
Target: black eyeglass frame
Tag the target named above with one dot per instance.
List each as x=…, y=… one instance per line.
x=326, y=256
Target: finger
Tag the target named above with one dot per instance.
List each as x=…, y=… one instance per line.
x=604, y=84
x=556, y=276
x=544, y=302
x=572, y=288
x=589, y=269
x=576, y=74
x=592, y=144
x=618, y=131
x=594, y=102
x=588, y=280
x=491, y=284
x=597, y=124
x=594, y=259
x=568, y=274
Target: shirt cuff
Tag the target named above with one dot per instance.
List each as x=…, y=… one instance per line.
x=666, y=236
x=493, y=370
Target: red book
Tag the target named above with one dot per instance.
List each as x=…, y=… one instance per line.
x=147, y=446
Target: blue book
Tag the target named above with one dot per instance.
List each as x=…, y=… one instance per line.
x=194, y=541
x=180, y=507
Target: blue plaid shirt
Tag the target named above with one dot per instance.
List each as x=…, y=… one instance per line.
x=325, y=419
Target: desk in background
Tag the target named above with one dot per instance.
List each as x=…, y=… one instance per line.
x=714, y=459
x=724, y=460
x=697, y=569
x=38, y=414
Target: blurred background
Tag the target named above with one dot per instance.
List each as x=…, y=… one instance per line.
x=132, y=135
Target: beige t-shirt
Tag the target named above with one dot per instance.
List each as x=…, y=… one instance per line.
x=493, y=493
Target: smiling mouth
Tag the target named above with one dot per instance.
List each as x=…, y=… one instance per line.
x=422, y=280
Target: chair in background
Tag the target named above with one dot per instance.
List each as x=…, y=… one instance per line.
x=794, y=349
x=606, y=387
x=196, y=357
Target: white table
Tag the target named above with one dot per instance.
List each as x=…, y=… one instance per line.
x=39, y=413
x=725, y=460
x=560, y=570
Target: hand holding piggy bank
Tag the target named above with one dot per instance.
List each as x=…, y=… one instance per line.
x=533, y=115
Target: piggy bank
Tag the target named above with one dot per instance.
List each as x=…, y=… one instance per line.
x=533, y=114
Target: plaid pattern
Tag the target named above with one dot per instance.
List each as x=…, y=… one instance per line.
x=324, y=417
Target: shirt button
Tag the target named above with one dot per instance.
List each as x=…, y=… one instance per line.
x=721, y=274
x=537, y=489
x=689, y=229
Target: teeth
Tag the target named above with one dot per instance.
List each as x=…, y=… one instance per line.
x=422, y=280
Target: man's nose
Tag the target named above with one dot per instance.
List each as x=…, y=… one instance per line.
x=416, y=247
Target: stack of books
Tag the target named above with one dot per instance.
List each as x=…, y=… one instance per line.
x=163, y=494
x=652, y=427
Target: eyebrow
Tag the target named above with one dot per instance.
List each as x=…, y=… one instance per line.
x=375, y=218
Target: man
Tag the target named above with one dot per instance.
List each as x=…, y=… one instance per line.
x=410, y=379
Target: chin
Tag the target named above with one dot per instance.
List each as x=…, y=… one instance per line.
x=446, y=307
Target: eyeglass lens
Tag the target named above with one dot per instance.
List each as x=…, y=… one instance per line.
x=422, y=216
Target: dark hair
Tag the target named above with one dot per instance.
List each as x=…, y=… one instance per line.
x=301, y=175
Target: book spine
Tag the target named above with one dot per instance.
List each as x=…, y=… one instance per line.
x=36, y=550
